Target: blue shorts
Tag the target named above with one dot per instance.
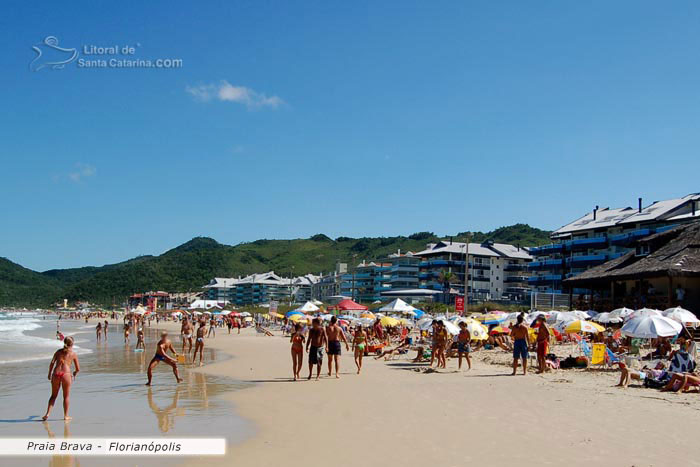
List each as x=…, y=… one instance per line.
x=520, y=349
x=464, y=347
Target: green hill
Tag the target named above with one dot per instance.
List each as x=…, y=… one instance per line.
x=193, y=264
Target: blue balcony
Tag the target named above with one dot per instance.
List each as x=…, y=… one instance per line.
x=546, y=264
x=515, y=267
x=546, y=249
x=535, y=280
x=583, y=243
x=626, y=238
x=516, y=279
x=586, y=259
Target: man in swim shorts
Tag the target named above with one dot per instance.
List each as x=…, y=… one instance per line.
x=162, y=347
x=335, y=334
x=521, y=341
x=315, y=345
x=199, y=344
x=187, y=330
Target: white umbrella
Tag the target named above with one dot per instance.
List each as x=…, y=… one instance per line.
x=224, y=312
x=326, y=317
x=408, y=313
x=681, y=315
x=245, y=314
x=651, y=327
x=451, y=328
x=591, y=313
x=607, y=318
x=621, y=312
x=644, y=313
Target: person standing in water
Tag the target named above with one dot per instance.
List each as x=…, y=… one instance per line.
x=521, y=341
x=98, y=331
x=199, y=344
x=358, y=346
x=297, y=341
x=60, y=376
x=335, y=334
x=127, y=331
x=162, y=347
x=104, y=329
x=212, y=327
x=187, y=330
x=140, y=344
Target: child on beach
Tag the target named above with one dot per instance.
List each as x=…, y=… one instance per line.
x=60, y=376
x=463, y=344
x=297, y=341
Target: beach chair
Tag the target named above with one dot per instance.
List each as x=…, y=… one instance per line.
x=598, y=355
x=585, y=348
x=611, y=358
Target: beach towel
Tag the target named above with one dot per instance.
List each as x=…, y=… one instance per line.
x=682, y=363
x=598, y=357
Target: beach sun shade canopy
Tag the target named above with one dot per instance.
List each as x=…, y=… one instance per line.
x=396, y=306
x=643, y=313
x=583, y=326
x=308, y=307
x=607, y=318
x=349, y=305
x=681, y=315
x=621, y=312
x=293, y=312
x=651, y=327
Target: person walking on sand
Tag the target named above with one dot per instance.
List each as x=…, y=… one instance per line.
x=297, y=341
x=162, y=347
x=359, y=342
x=463, y=347
x=199, y=343
x=60, y=376
x=521, y=341
x=315, y=345
x=98, y=331
x=212, y=327
x=187, y=330
x=333, y=348
x=543, y=334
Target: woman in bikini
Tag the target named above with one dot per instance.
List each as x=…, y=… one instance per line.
x=297, y=341
x=98, y=330
x=358, y=346
x=60, y=376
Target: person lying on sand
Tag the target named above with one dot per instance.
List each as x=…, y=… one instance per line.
x=162, y=347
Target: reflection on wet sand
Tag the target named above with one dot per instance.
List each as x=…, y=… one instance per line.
x=165, y=416
x=58, y=460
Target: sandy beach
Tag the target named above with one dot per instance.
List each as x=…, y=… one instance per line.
x=397, y=413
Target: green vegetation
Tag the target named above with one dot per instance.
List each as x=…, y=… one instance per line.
x=192, y=264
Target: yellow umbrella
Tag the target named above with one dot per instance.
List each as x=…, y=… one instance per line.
x=368, y=315
x=584, y=326
x=477, y=331
x=297, y=318
x=389, y=321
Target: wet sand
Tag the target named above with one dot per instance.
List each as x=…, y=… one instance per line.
x=109, y=398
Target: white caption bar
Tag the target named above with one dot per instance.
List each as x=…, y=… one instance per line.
x=112, y=446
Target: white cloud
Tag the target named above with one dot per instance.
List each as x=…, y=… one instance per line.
x=82, y=171
x=227, y=92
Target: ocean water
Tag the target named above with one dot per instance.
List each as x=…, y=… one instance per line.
x=108, y=398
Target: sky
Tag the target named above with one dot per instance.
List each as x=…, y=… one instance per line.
x=287, y=119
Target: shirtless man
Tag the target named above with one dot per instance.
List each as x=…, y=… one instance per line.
x=212, y=327
x=316, y=342
x=162, y=347
x=335, y=334
x=521, y=341
x=543, y=334
x=98, y=331
x=199, y=344
x=187, y=330
x=60, y=376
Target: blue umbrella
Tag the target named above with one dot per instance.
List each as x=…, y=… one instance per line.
x=419, y=313
x=293, y=312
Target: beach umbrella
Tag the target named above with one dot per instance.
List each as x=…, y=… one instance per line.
x=477, y=331
x=493, y=318
x=289, y=314
x=644, y=313
x=681, y=315
x=408, y=313
x=583, y=326
x=308, y=307
x=346, y=317
x=389, y=321
x=622, y=312
x=500, y=330
x=294, y=318
x=418, y=313
x=245, y=313
x=651, y=327
x=368, y=315
x=326, y=317
x=248, y=319
x=607, y=318
x=450, y=327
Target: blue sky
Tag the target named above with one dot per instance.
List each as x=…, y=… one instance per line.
x=348, y=118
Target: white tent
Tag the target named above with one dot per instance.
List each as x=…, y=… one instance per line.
x=308, y=307
x=205, y=304
x=396, y=306
x=317, y=302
